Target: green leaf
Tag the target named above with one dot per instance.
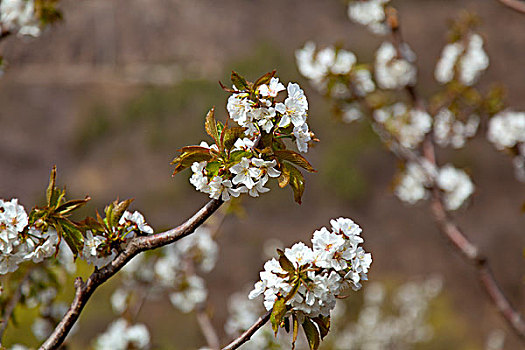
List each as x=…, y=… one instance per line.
x=72, y=205
x=236, y=156
x=295, y=158
x=279, y=309
x=190, y=155
x=312, y=334
x=323, y=323
x=296, y=181
x=211, y=125
x=230, y=135
x=212, y=168
x=265, y=79
x=240, y=83
x=285, y=263
x=71, y=233
x=50, y=193
x=284, y=178
x=295, y=330
x=118, y=211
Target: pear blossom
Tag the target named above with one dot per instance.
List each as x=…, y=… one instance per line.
x=238, y=107
x=295, y=107
x=302, y=136
x=136, y=219
x=220, y=188
x=411, y=187
x=90, y=251
x=266, y=167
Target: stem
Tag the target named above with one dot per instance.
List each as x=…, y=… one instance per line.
x=243, y=338
x=516, y=5
x=207, y=329
x=84, y=290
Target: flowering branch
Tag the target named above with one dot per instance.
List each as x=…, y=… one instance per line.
x=244, y=337
x=84, y=290
x=516, y=5
x=450, y=229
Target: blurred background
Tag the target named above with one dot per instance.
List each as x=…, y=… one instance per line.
x=110, y=94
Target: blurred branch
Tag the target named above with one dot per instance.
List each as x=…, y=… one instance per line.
x=207, y=329
x=84, y=290
x=11, y=304
x=447, y=225
x=243, y=338
x=516, y=5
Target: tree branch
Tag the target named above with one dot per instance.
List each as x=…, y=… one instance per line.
x=516, y=5
x=212, y=339
x=243, y=338
x=445, y=223
x=84, y=290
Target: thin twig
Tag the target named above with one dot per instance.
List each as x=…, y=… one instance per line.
x=243, y=338
x=84, y=290
x=516, y=5
x=10, y=307
x=451, y=230
x=212, y=339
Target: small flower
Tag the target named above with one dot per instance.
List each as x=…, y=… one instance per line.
x=302, y=137
x=220, y=188
x=392, y=72
x=136, y=219
x=272, y=89
x=245, y=173
x=294, y=107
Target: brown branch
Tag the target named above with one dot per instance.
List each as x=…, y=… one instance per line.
x=212, y=339
x=516, y=5
x=447, y=225
x=243, y=338
x=84, y=290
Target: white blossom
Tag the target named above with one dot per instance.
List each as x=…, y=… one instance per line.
x=506, y=129
x=121, y=335
x=391, y=71
x=295, y=107
x=409, y=126
x=456, y=184
x=362, y=82
x=445, y=68
x=20, y=16
x=190, y=292
x=302, y=137
x=370, y=13
x=90, y=251
x=413, y=183
x=352, y=112
x=272, y=89
x=450, y=131
x=220, y=188
x=244, y=173
x=136, y=219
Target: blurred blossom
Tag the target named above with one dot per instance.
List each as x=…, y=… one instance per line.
x=370, y=13
x=121, y=335
x=391, y=71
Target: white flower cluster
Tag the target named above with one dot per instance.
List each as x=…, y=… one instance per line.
x=464, y=60
x=375, y=329
x=249, y=175
x=318, y=66
x=19, y=16
x=454, y=183
x=408, y=126
x=507, y=130
x=392, y=71
x=450, y=131
x=18, y=243
x=255, y=116
x=172, y=273
x=318, y=275
x=96, y=250
x=370, y=13
x=121, y=335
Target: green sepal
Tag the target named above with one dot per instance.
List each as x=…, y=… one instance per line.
x=69, y=206
x=278, y=312
x=312, y=334
x=212, y=168
x=295, y=158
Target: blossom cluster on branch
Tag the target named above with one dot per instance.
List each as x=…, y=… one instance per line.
x=304, y=283
x=244, y=157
